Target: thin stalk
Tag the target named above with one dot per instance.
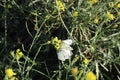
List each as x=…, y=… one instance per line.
x=33, y=63
x=5, y=24
x=36, y=36
x=40, y=73
x=65, y=26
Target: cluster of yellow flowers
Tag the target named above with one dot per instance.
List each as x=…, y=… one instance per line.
x=60, y=5
x=56, y=42
x=10, y=75
x=75, y=13
x=91, y=2
x=110, y=16
x=18, y=54
x=86, y=61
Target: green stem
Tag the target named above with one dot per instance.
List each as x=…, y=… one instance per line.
x=33, y=63
x=65, y=26
x=40, y=73
x=5, y=24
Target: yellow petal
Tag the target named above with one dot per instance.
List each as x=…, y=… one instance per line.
x=9, y=72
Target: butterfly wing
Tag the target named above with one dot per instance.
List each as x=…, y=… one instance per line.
x=68, y=41
x=63, y=45
x=64, y=54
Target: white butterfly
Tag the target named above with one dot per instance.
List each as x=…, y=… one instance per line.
x=65, y=50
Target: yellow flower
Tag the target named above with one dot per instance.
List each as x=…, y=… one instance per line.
x=9, y=72
x=18, y=50
x=60, y=5
x=91, y=2
x=57, y=46
x=118, y=5
x=75, y=13
x=110, y=16
x=49, y=42
x=116, y=26
x=86, y=61
x=12, y=53
x=111, y=4
x=19, y=55
x=96, y=20
x=74, y=71
x=90, y=76
x=56, y=42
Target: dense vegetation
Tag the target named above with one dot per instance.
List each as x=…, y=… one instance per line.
x=33, y=33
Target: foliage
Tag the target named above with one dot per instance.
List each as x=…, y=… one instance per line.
x=29, y=26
